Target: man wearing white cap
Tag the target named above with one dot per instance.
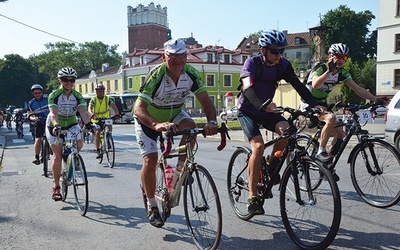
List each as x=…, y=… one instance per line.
x=160, y=106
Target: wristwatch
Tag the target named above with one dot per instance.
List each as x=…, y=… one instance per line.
x=213, y=122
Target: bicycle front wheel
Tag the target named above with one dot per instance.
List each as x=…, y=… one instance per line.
x=312, y=217
x=45, y=157
x=238, y=182
x=80, y=184
x=202, y=208
x=380, y=186
x=110, y=150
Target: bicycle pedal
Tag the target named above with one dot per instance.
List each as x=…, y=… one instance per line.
x=268, y=195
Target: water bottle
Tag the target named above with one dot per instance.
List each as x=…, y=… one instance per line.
x=175, y=178
x=169, y=175
x=66, y=152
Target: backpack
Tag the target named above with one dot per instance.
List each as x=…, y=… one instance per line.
x=259, y=72
x=316, y=65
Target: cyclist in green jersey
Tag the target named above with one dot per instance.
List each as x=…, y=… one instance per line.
x=160, y=106
x=63, y=103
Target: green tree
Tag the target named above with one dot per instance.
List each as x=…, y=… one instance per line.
x=16, y=78
x=351, y=28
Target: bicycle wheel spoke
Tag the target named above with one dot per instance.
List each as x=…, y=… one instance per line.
x=313, y=221
x=202, y=209
x=381, y=187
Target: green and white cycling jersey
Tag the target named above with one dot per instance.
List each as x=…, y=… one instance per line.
x=67, y=107
x=165, y=98
x=321, y=94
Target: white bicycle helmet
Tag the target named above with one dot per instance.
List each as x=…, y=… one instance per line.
x=36, y=86
x=272, y=37
x=67, y=72
x=339, y=49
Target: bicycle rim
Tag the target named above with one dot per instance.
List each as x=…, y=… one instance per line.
x=45, y=157
x=110, y=151
x=161, y=194
x=314, y=222
x=379, y=189
x=202, y=209
x=80, y=184
x=238, y=184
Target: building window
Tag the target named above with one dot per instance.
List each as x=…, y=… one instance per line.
x=108, y=86
x=210, y=80
x=227, y=59
x=142, y=80
x=116, y=84
x=80, y=88
x=244, y=58
x=398, y=8
x=190, y=102
x=227, y=81
x=397, y=49
x=298, y=54
x=210, y=57
x=130, y=83
x=86, y=88
x=92, y=87
x=397, y=77
x=297, y=40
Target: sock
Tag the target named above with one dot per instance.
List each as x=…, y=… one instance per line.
x=151, y=203
x=37, y=157
x=321, y=150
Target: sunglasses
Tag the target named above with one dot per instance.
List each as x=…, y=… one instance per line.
x=276, y=51
x=37, y=93
x=170, y=55
x=68, y=80
x=342, y=57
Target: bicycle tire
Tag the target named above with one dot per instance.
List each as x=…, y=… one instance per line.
x=315, y=223
x=64, y=185
x=45, y=156
x=161, y=194
x=377, y=189
x=80, y=184
x=110, y=150
x=238, y=183
x=202, y=208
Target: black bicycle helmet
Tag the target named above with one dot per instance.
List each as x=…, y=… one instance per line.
x=67, y=72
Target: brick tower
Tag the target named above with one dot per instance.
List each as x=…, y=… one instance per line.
x=147, y=27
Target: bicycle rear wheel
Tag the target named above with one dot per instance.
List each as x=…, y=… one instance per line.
x=110, y=150
x=381, y=187
x=311, y=220
x=238, y=182
x=80, y=184
x=161, y=194
x=102, y=149
x=202, y=208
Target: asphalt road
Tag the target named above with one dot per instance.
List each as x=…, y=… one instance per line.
x=30, y=219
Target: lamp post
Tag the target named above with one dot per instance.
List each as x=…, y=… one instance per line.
x=218, y=83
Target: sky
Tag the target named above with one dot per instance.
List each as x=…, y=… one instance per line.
x=210, y=22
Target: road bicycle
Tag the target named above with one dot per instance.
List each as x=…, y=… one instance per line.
x=19, y=128
x=374, y=163
x=45, y=150
x=106, y=142
x=74, y=171
x=311, y=216
x=201, y=201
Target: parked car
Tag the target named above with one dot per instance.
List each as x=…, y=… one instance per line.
x=229, y=114
x=392, y=120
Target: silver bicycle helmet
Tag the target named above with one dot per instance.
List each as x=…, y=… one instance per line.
x=272, y=37
x=36, y=86
x=67, y=72
x=339, y=49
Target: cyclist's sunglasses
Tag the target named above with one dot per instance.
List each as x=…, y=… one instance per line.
x=342, y=57
x=277, y=51
x=66, y=80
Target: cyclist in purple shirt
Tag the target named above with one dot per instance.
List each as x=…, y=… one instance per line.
x=257, y=88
